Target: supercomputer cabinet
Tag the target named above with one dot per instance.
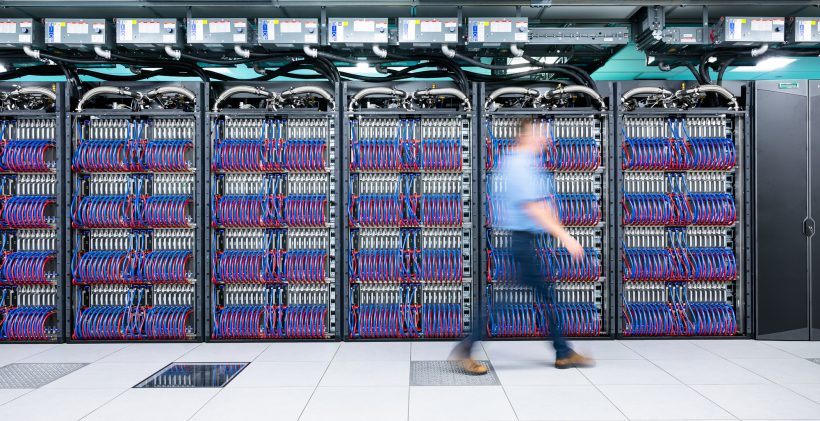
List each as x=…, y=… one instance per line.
x=32, y=267
x=786, y=202
x=410, y=210
x=135, y=196
x=682, y=209
x=576, y=124
x=274, y=243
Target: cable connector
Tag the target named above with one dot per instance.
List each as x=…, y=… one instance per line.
x=171, y=52
x=379, y=51
x=242, y=52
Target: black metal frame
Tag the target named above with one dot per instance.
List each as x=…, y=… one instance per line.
x=607, y=91
x=744, y=92
x=346, y=90
x=207, y=144
x=59, y=116
x=70, y=116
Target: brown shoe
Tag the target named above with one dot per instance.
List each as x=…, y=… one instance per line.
x=471, y=366
x=574, y=359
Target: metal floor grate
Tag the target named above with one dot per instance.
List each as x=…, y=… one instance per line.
x=193, y=375
x=448, y=373
x=32, y=376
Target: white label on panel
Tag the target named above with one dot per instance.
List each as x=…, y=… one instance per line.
x=409, y=28
x=430, y=26
x=219, y=27
x=169, y=38
x=239, y=38
x=501, y=26
x=149, y=27
x=735, y=31
x=25, y=38
x=311, y=38
x=520, y=36
x=450, y=38
x=364, y=26
x=126, y=30
x=290, y=27
x=609, y=39
x=76, y=28
x=199, y=30
x=381, y=37
x=340, y=32
x=8, y=28
x=97, y=39
x=56, y=32
x=761, y=25
x=480, y=32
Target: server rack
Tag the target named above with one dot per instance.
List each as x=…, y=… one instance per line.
x=786, y=202
x=32, y=278
x=578, y=158
x=134, y=150
x=683, y=212
x=411, y=210
x=273, y=148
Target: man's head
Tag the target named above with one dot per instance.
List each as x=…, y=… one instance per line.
x=532, y=136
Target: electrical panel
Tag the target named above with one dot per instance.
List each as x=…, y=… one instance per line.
x=19, y=32
x=425, y=32
x=135, y=212
x=410, y=211
x=217, y=33
x=576, y=128
x=274, y=246
x=357, y=31
x=31, y=222
x=683, y=232
x=148, y=32
x=495, y=32
x=604, y=35
x=287, y=32
x=748, y=30
x=78, y=33
x=803, y=30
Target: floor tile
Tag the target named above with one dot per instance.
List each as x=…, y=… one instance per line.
x=364, y=373
x=56, y=404
x=765, y=401
x=784, y=371
x=736, y=349
x=519, y=350
x=536, y=373
x=669, y=350
x=439, y=351
x=627, y=372
x=7, y=395
x=811, y=391
x=479, y=403
x=709, y=372
x=10, y=353
x=148, y=353
x=639, y=402
x=802, y=349
x=153, y=404
x=224, y=352
x=74, y=353
x=347, y=404
x=606, y=350
x=561, y=403
x=106, y=376
x=256, y=404
x=303, y=351
x=374, y=351
x=267, y=375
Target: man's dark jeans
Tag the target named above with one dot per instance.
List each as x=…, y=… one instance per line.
x=529, y=274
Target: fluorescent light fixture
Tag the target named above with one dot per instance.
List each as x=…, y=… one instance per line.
x=767, y=65
x=220, y=70
x=3, y=68
x=362, y=65
x=521, y=60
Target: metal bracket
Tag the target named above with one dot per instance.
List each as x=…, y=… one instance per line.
x=541, y=3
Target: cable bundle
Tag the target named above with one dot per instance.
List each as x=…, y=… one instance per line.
x=243, y=266
x=26, y=212
x=578, y=319
x=305, y=266
x=441, y=154
x=581, y=209
x=376, y=210
x=305, y=155
x=297, y=321
x=679, y=316
x=304, y=321
x=442, y=320
x=270, y=151
x=26, y=268
x=558, y=265
x=239, y=322
x=125, y=322
x=166, y=155
x=23, y=156
x=166, y=322
x=122, y=211
x=581, y=154
x=385, y=320
x=442, y=209
x=679, y=264
x=131, y=267
x=26, y=323
x=373, y=265
x=164, y=211
x=238, y=211
x=442, y=265
x=679, y=209
x=678, y=152
x=306, y=210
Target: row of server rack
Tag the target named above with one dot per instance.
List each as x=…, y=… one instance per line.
x=183, y=211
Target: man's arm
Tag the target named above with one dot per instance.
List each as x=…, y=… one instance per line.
x=547, y=219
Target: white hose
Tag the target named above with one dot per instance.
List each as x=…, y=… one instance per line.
x=242, y=52
x=241, y=89
x=578, y=89
x=516, y=52
x=445, y=91
x=102, y=53
x=310, y=52
x=378, y=90
x=172, y=89
x=174, y=54
x=379, y=51
x=106, y=90
x=35, y=54
x=312, y=90
x=510, y=90
x=34, y=90
x=645, y=90
x=757, y=52
x=717, y=89
x=447, y=51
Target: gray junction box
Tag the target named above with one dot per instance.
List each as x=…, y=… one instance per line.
x=287, y=32
x=355, y=32
x=425, y=32
x=78, y=33
x=18, y=32
x=148, y=33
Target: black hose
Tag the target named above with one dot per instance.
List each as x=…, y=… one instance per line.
x=725, y=65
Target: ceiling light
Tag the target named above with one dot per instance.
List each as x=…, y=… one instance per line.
x=767, y=65
x=362, y=65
